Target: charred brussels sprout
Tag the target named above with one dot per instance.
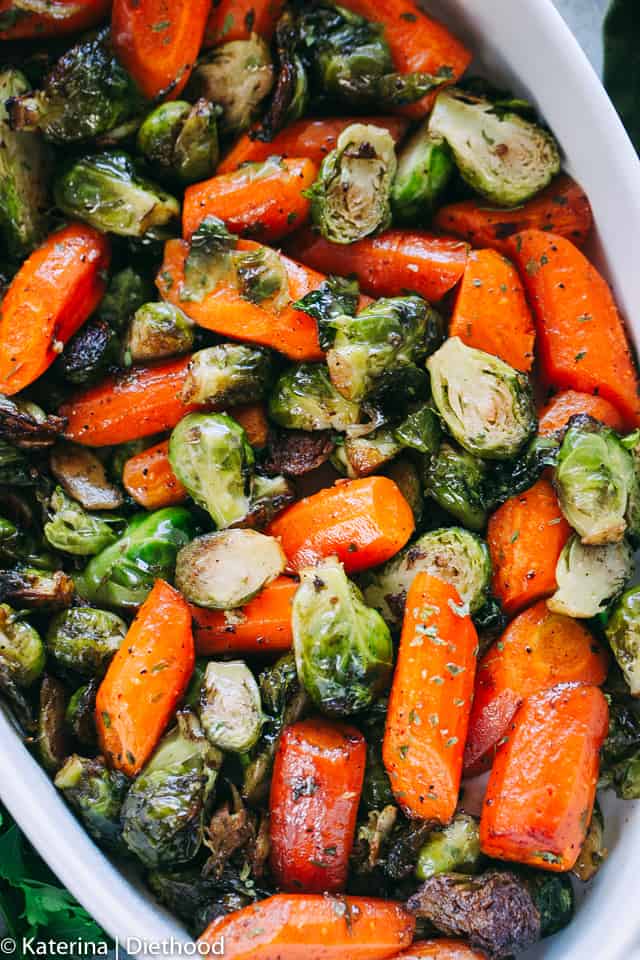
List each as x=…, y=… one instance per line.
x=425, y=167
x=454, y=848
x=344, y=653
x=181, y=140
x=38, y=589
x=623, y=634
x=83, y=640
x=334, y=297
x=83, y=476
x=158, y=330
x=22, y=653
x=106, y=191
x=128, y=290
x=80, y=714
x=486, y=404
x=89, y=353
x=26, y=425
x=51, y=738
x=72, y=529
x=589, y=578
x=501, y=155
x=228, y=374
x=350, y=198
x=230, y=708
x=269, y=495
x=304, y=398
x=366, y=455
x=96, y=794
x=455, y=480
x=237, y=76
x=593, y=852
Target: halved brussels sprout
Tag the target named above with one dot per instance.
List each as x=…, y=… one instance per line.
x=290, y=98
x=83, y=476
x=486, y=405
x=36, y=589
x=210, y=260
x=22, y=652
x=83, y=639
x=590, y=577
x=262, y=278
x=269, y=495
x=73, y=530
x=350, y=198
x=344, y=652
x=225, y=570
x=96, y=794
x=228, y=374
x=304, y=398
x=51, y=739
x=593, y=852
x=455, y=480
x=420, y=431
x=230, y=707
x=454, y=848
x=454, y=555
x=366, y=455
x=181, y=140
x=623, y=634
x=25, y=424
x=335, y=297
x=237, y=76
x=158, y=330
x=504, y=157
x=80, y=715
x=425, y=167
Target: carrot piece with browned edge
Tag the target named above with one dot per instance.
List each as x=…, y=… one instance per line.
x=300, y=926
x=53, y=19
x=50, y=297
x=262, y=626
x=526, y=536
x=538, y=650
x=231, y=20
x=150, y=480
x=145, y=680
x=443, y=949
x=491, y=311
x=312, y=831
x=542, y=787
x=362, y=522
x=581, y=339
x=559, y=410
x=430, y=700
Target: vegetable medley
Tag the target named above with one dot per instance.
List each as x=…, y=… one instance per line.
x=320, y=474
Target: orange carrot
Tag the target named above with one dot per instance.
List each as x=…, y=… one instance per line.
x=145, y=680
x=582, y=343
x=557, y=413
x=158, y=41
x=526, y=536
x=299, y=926
x=391, y=264
x=50, y=297
x=491, y=311
x=430, y=700
x=225, y=311
x=263, y=201
x=262, y=626
x=238, y=19
x=538, y=650
x=149, y=479
x=132, y=405
x=309, y=138
x=562, y=208
x=542, y=787
x=252, y=417
x=444, y=949
x=312, y=831
x=362, y=522
x=53, y=19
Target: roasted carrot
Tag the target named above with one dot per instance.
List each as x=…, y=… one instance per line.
x=225, y=311
x=542, y=786
x=393, y=263
x=149, y=479
x=582, y=343
x=526, y=536
x=53, y=19
x=50, y=297
x=312, y=139
x=237, y=19
x=262, y=626
x=158, y=41
x=538, y=650
x=263, y=201
x=299, y=926
x=145, y=680
x=559, y=410
x=491, y=311
x=362, y=522
x=252, y=417
x=312, y=831
x=444, y=949
x=562, y=208
x=430, y=700
x=132, y=405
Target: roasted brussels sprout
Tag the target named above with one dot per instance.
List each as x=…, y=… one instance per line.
x=72, y=529
x=420, y=431
x=124, y=573
x=39, y=589
x=237, y=76
x=158, y=330
x=89, y=354
x=26, y=425
x=80, y=714
x=304, y=398
x=297, y=452
x=106, y=191
x=367, y=454
x=181, y=140
x=501, y=155
x=128, y=290
x=455, y=480
x=507, y=478
x=405, y=475
x=344, y=653
x=590, y=577
x=22, y=653
x=15, y=469
x=453, y=849
x=486, y=404
x=230, y=709
x=623, y=634
x=96, y=794
x=620, y=755
x=51, y=739
x=269, y=495
x=83, y=640
x=376, y=788
x=451, y=553
x=350, y=198
x=335, y=297
x=593, y=852
x=198, y=900
x=290, y=97
x=224, y=570
x=228, y=374
x=211, y=259
x=425, y=167
x=83, y=476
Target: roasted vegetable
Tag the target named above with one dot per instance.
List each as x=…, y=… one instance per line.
x=227, y=375
x=22, y=653
x=33, y=588
x=83, y=476
x=269, y=496
x=83, y=640
x=51, y=739
x=296, y=452
x=425, y=168
x=181, y=140
x=158, y=330
x=455, y=480
x=72, y=529
x=230, y=710
x=128, y=290
x=237, y=76
x=590, y=577
x=623, y=634
x=420, y=430
x=96, y=793
x=365, y=455
x=80, y=714
x=290, y=98
x=26, y=425
x=304, y=398
x=594, y=852
x=335, y=297
x=453, y=849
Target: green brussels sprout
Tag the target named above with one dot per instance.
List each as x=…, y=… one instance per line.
x=158, y=330
x=380, y=344
x=404, y=474
x=237, y=76
x=15, y=469
x=210, y=261
x=225, y=570
x=128, y=290
x=212, y=458
x=124, y=573
x=507, y=478
x=83, y=476
x=96, y=794
x=420, y=431
x=89, y=354
x=83, y=640
x=486, y=405
x=453, y=554
x=377, y=794
x=553, y=896
x=623, y=634
x=228, y=374
x=350, y=198
x=455, y=480
x=22, y=653
x=38, y=589
x=181, y=140
x=454, y=848
x=304, y=398
x=335, y=297
x=593, y=852
x=261, y=276
x=425, y=167
x=73, y=530
x=499, y=154
x=366, y=455
x=589, y=578
x=269, y=495
x=343, y=649
x=27, y=425
x=86, y=94
x=106, y=191
x=51, y=738
x=164, y=811
x=80, y=714
x=230, y=708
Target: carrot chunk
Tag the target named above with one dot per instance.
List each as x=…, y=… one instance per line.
x=557, y=413
x=231, y=20
x=262, y=626
x=150, y=480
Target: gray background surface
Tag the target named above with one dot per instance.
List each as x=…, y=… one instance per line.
x=585, y=19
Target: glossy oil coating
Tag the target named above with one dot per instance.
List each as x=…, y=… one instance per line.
x=149, y=478
x=51, y=19
x=262, y=626
x=569, y=403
